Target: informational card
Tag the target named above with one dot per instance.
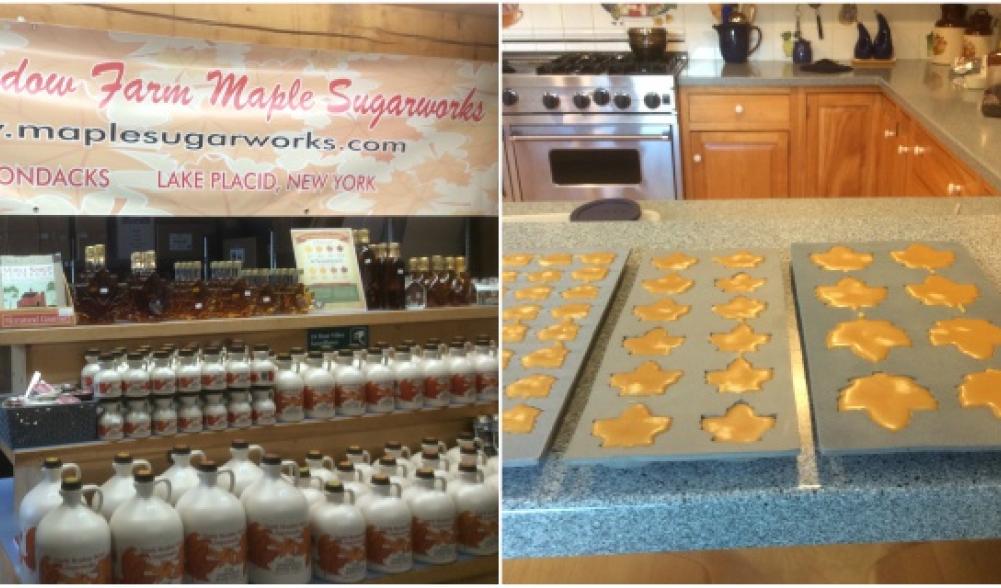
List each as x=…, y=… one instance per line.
x=32, y=281
x=330, y=266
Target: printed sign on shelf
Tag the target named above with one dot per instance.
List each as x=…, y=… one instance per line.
x=330, y=267
x=113, y=123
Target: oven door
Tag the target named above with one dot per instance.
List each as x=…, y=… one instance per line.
x=591, y=161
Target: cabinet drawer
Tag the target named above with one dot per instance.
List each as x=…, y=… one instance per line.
x=741, y=110
x=939, y=171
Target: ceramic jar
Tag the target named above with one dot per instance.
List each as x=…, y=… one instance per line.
x=108, y=380
x=37, y=503
x=436, y=377
x=434, y=519
x=239, y=412
x=181, y=474
x=321, y=466
x=90, y=369
x=388, y=528
x=461, y=375
x=380, y=383
x=148, y=536
x=409, y=380
x=487, y=370
x=262, y=369
x=120, y=486
x=73, y=542
x=215, y=530
x=318, y=389
x=288, y=391
x=263, y=407
x=337, y=536
x=245, y=471
x=476, y=504
x=214, y=412
x=947, y=36
x=138, y=421
x=277, y=527
x=349, y=391
x=310, y=486
x=110, y=422
x=189, y=415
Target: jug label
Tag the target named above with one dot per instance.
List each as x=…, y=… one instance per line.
x=216, y=557
x=239, y=419
x=165, y=426
x=136, y=387
x=215, y=422
x=162, y=385
x=161, y=564
x=87, y=382
x=486, y=385
x=281, y=548
x=288, y=402
x=264, y=417
x=262, y=377
x=214, y=381
x=189, y=384
x=478, y=531
x=434, y=538
x=436, y=389
x=389, y=546
x=109, y=389
x=381, y=396
x=411, y=391
x=461, y=386
x=350, y=397
x=318, y=399
x=94, y=568
x=340, y=559
x=27, y=544
x=238, y=379
x=110, y=431
x=190, y=424
x=137, y=428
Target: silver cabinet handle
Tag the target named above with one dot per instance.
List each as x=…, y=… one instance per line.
x=590, y=137
x=889, y=133
x=919, y=150
x=739, y=109
x=697, y=158
x=954, y=189
x=903, y=149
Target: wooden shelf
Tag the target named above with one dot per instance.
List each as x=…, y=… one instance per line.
x=86, y=333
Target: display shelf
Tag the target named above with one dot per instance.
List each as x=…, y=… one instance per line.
x=127, y=331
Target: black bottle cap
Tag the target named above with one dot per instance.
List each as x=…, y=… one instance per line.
x=345, y=466
x=314, y=454
x=380, y=479
x=123, y=457
x=207, y=466
x=52, y=462
x=72, y=483
x=144, y=475
x=239, y=444
x=425, y=473
x=334, y=486
x=271, y=459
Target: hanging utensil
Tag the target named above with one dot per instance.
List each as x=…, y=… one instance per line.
x=717, y=11
x=848, y=14
x=820, y=25
x=799, y=31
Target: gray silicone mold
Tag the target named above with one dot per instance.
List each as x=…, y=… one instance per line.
x=527, y=449
x=692, y=397
x=939, y=369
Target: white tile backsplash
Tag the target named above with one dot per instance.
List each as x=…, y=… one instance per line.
x=575, y=23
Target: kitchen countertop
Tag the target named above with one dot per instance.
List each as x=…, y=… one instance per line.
x=560, y=510
x=923, y=90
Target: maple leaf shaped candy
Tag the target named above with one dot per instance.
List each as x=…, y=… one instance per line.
x=581, y=292
x=664, y=309
x=520, y=419
x=669, y=284
x=738, y=425
x=508, y=276
x=534, y=293
x=940, y=291
x=506, y=355
x=653, y=342
x=982, y=389
x=597, y=257
x=920, y=256
x=888, y=399
x=740, y=376
x=851, y=293
x=525, y=312
x=674, y=261
x=742, y=283
x=517, y=259
x=573, y=310
x=634, y=427
x=741, y=339
x=555, y=259
x=646, y=380
x=534, y=386
x=974, y=337
x=514, y=332
x=589, y=274
x=841, y=258
x=740, y=308
x=869, y=339
x=544, y=276
x=741, y=259
x=565, y=330
x=546, y=357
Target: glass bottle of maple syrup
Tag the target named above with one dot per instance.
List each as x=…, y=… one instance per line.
x=375, y=294
x=463, y=292
x=187, y=292
x=99, y=294
x=394, y=279
x=267, y=297
x=155, y=292
x=366, y=261
x=440, y=293
x=303, y=296
x=416, y=293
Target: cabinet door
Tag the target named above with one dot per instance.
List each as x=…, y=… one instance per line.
x=840, y=148
x=739, y=164
x=935, y=172
x=892, y=138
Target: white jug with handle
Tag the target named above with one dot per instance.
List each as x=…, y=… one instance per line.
x=37, y=503
x=120, y=487
x=73, y=540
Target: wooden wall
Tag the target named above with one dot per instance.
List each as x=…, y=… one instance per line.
x=446, y=30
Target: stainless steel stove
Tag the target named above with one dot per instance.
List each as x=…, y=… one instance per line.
x=582, y=126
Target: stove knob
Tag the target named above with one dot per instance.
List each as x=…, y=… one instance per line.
x=601, y=97
x=581, y=100
x=652, y=100
x=550, y=101
x=509, y=97
x=623, y=100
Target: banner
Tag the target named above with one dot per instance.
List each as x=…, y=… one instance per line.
x=110, y=123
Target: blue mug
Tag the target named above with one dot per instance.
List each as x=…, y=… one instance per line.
x=802, y=52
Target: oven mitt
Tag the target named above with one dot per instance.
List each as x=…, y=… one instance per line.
x=826, y=66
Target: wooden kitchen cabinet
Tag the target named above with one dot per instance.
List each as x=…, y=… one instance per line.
x=892, y=148
x=752, y=164
x=840, y=151
x=933, y=171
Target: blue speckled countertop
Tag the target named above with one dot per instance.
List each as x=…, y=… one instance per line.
x=559, y=510
x=923, y=90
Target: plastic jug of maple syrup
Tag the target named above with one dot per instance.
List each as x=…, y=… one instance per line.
x=361, y=460
x=321, y=466
x=215, y=530
x=436, y=377
x=262, y=369
x=429, y=445
x=350, y=388
x=73, y=542
x=352, y=480
x=310, y=486
x=245, y=471
x=487, y=370
x=388, y=542
x=181, y=474
x=120, y=486
x=148, y=536
x=397, y=471
x=90, y=369
x=466, y=439
x=288, y=391
x=277, y=528
x=380, y=382
x=476, y=504
x=434, y=519
x=461, y=375
x=37, y=503
x=318, y=390
x=337, y=535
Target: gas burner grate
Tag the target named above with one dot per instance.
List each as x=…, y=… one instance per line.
x=609, y=63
